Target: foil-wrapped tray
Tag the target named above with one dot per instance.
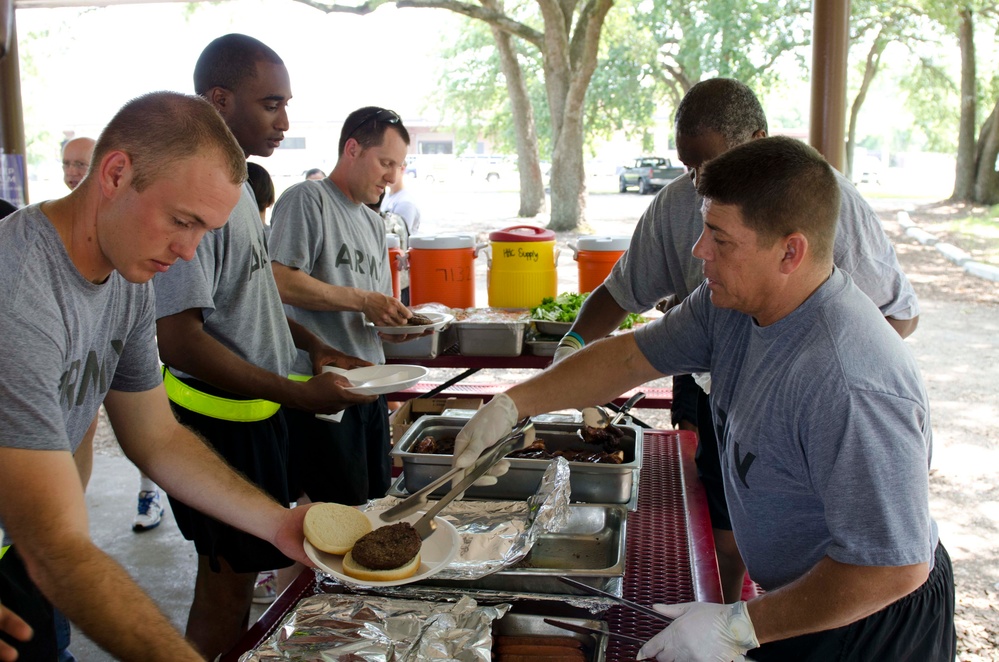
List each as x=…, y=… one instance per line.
x=589, y=547
x=590, y=482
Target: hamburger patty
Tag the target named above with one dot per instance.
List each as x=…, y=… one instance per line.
x=419, y=320
x=387, y=547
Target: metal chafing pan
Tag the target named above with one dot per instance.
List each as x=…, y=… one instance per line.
x=590, y=482
x=530, y=625
x=590, y=549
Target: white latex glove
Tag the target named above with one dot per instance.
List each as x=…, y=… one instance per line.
x=490, y=424
x=703, y=379
x=702, y=632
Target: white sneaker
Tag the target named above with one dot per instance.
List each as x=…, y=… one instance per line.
x=265, y=590
x=149, y=513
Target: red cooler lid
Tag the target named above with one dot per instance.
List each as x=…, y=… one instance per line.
x=392, y=240
x=518, y=233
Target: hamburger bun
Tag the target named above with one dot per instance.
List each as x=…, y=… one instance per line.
x=352, y=568
x=334, y=528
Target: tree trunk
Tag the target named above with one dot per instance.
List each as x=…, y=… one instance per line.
x=532, y=188
x=986, y=178
x=870, y=71
x=569, y=64
x=964, y=174
x=568, y=179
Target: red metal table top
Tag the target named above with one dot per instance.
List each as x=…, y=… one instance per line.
x=670, y=551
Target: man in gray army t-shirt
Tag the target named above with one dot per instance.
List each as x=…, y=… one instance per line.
x=330, y=261
x=76, y=301
x=822, y=421
x=228, y=348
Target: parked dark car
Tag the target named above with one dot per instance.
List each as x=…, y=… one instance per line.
x=649, y=174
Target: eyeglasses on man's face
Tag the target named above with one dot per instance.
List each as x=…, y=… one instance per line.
x=75, y=165
x=380, y=115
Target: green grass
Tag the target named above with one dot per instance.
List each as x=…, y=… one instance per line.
x=979, y=235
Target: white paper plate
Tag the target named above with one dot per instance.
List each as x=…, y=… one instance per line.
x=381, y=379
x=438, y=550
x=440, y=320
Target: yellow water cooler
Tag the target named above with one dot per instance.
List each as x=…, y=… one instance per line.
x=522, y=266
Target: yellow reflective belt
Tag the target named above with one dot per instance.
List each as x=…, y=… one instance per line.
x=3, y=550
x=226, y=409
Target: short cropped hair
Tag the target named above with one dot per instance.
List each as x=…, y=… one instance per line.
x=229, y=60
x=159, y=129
x=723, y=106
x=368, y=125
x=261, y=183
x=781, y=185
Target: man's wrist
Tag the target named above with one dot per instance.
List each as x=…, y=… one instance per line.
x=741, y=626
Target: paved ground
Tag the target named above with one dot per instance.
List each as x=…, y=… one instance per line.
x=955, y=346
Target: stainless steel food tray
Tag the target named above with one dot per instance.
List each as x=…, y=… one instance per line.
x=590, y=549
x=398, y=490
x=590, y=483
x=490, y=338
x=530, y=625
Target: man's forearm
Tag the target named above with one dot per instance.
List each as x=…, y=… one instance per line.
x=301, y=290
x=186, y=346
x=831, y=595
x=594, y=375
x=194, y=473
x=599, y=316
x=98, y=596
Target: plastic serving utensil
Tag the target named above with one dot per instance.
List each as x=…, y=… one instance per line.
x=425, y=525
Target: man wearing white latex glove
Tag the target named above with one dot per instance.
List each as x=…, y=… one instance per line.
x=824, y=450
x=702, y=632
x=490, y=424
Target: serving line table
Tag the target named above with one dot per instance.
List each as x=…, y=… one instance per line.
x=670, y=552
x=655, y=398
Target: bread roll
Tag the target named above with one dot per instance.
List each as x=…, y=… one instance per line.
x=352, y=568
x=334, y=528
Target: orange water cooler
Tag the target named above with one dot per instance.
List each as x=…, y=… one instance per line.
x=442, y=269
x=522, y=266
x=595, y=257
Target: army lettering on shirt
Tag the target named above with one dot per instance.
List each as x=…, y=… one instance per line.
x=85, y=373
x=356, y=260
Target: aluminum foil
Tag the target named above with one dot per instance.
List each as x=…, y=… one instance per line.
x=498, y=534
x=377, y=629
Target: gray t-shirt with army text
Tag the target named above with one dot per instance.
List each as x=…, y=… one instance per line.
x=67, y=340
x=317, y=229
x=823, y=427
x=658, y=263
x=230, y=280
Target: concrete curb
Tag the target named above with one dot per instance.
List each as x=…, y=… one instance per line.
x=959, y=257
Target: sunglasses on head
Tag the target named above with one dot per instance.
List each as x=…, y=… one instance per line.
x=380, y=115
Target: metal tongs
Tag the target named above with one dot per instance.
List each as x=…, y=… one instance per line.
x=592, y=590
x=425, y=525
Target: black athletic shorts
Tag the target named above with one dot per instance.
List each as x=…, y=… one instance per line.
x=259, y=451
x=684, y=407
x=709, y=465
x=19, y=594
x=916, y=628
x=346, y=462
